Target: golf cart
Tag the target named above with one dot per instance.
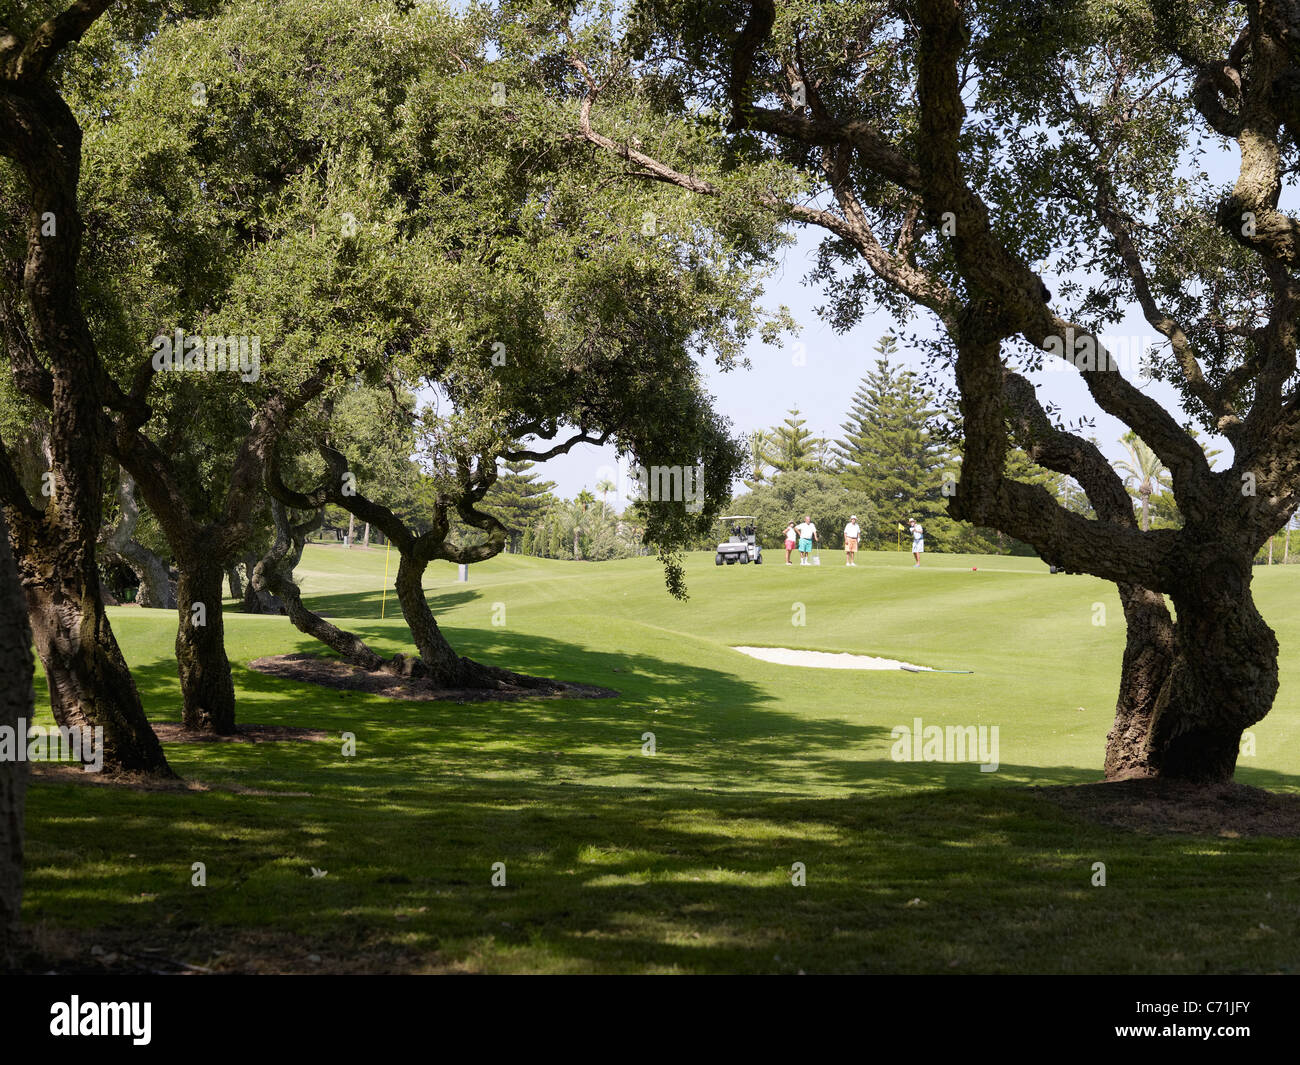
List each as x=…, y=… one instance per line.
x=741, y=544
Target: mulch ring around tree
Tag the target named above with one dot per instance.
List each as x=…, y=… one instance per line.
x=337, y=674
x=1159, y=807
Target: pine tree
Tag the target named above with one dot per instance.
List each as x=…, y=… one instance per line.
x=889, y=453
x=518, y=499
x=790, y=445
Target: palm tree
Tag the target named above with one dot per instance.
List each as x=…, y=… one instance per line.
x=1144, y=470
x=604, y=486
x=759, y=444
x=575, y=522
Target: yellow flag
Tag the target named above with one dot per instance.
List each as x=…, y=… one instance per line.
x=900, y=528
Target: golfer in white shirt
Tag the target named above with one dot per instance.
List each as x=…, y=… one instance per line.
x=918, y=540
x=807, y=534
x=851, y=533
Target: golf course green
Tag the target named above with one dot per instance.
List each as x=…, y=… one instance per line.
x=771, y=829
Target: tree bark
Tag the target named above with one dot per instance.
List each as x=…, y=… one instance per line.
x=89, y=681
x=440, y=662
x=17, y=704
x=259, y=598
x=1224, y=676
x=206, y=683
x=1148, y=658
x=1149, y=636
x=157, y=590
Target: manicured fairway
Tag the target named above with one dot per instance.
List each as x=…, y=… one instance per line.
x=616, y=860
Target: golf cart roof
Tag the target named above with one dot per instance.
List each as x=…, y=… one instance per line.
x=733, y=517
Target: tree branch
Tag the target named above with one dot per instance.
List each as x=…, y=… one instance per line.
x=50, y=38
x=520, y=454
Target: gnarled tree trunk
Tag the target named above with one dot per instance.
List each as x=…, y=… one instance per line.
x=438, y=661
x=259, y=598
x=17, y=702
x=89, y=681
x=90, y=684
x=441, y=663
x=1224, y=675
x=274, y=574
x=1149, y=637
x=206, y=683
x=232, y=578
x=204, y=546
x=1144, y=676
x=156, y=588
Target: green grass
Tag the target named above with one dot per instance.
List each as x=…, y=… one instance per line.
x=680, y=862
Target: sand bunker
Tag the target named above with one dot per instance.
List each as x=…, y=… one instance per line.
x=785, y=656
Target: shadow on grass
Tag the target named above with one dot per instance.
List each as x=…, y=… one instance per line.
x=348, y=607
x=611, y=879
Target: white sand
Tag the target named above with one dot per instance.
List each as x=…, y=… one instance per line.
x=785, y=656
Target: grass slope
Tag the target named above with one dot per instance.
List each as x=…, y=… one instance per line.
x=680, y=861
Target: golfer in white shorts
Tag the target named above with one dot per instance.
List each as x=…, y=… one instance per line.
x=918, y=540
